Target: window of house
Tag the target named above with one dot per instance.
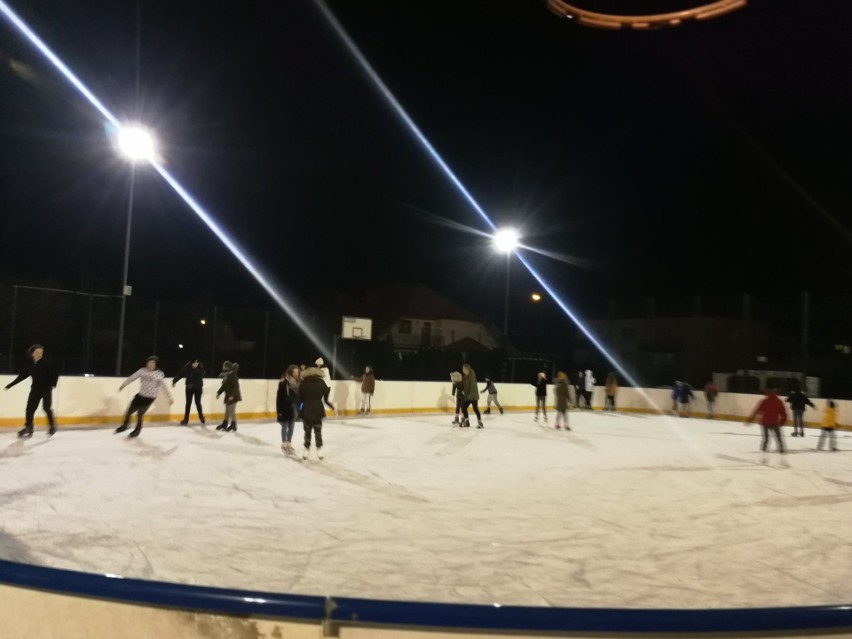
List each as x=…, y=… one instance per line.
x=405, y=327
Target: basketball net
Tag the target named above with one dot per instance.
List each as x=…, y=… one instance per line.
x=704, y=11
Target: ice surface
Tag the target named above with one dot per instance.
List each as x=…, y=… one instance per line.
x=633, y=511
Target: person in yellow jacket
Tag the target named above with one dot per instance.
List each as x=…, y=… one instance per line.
x=829, y=422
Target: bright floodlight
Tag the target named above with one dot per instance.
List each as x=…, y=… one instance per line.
x=506, y=241
x=136, y=144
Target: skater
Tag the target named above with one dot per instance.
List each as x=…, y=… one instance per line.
x=313, y=393
x=45, y=379
x=368, y=387
x=320, y=364
x=230, y=387
x=798, y=403
x=611, y=388
x=578, y=389
x=152, y=381
x=773, y=415
x=193, y=372
x=829, y=423
x=470, y=393
x=675, y=396
x=710, y=394
x=540, y=384
x=588, y=387
x=457, y=378
x=492, y=395
x=684, y=397
x=560, y=391
x=287, y=406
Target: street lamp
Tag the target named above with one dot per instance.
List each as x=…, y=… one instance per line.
x=535, y=297
x=506, y=241
x=136, y=145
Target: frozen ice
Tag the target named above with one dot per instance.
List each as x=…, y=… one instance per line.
x=624, y=510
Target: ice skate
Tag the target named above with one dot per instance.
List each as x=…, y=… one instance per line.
x=455, y=421
x=368, y=412
x=319, y=454
x=480, y=425
x=232, y=427
x=501, y=410
x=184, y=422
x=120, y=429
x=222, y=426
x=203, y=421
x=26, y=431
x=306, y=453
x=135, y=432
x=465, y=423
x=558, y=427
x=51, y=431
x=487, y=411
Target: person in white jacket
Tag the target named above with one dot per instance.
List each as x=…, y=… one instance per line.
x=589, y=387
x=152, y=382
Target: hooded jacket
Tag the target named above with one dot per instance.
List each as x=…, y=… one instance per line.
x=560, y=390
x=230, y=385
x=798, y=400
x=470, y=387
x=540, y=384
x=194, y=376
x=286, y=398
x=313, y=393
x=589, y=381
x=368, y=382
x=771, y=409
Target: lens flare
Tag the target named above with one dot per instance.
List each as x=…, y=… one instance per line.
x=143, y=149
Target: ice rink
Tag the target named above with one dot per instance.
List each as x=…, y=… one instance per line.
x=625, y=510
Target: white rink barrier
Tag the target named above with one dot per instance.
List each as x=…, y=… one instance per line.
x=97, y=400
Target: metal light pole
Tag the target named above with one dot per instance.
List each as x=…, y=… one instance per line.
x=125, y=289
x=506, y=241
x=506, y=299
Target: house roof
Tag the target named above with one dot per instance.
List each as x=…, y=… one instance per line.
x=388, y=304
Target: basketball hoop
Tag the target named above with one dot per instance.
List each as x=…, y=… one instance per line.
x=704, y=11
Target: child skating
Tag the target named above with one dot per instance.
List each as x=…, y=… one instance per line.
x=491, y=389
x=230, y=388
x=829, y=423
x=368, y=387
x=456, y=378
x=540, y=384
x=287, y=406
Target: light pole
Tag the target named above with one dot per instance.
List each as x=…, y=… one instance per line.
x=506, y=241
x=136, y=145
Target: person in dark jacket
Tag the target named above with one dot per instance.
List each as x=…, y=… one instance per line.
x=773, y=416
x=193, y=372
x=684, y=397
x=540, y=384
x=711, y=394
x=45, y=378
x=579, y=388
x=313, y=394
x=491, y=389
x=287, y=406
x=470, y=393
x=230, y=387
x=368, y=387
x=457, y=378
x=798, y=402
x=560, y=391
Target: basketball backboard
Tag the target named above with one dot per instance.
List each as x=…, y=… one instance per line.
x=357, y=328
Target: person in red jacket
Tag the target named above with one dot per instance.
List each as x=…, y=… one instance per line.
x=773, y=415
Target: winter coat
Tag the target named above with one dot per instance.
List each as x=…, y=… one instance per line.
x=560, y=389
x=490, y=388
x=771, y=409
x=286, y=398
x=368, y=383
x=829, y=417
x=612, y=387
x=684, y=393
x=470, y=387
x=711, y=392
x=540, y=387
x=194, y=376
x=798, y=400
x=230, y=387
x=43, y=373
x=313, y=394
x=589, y=381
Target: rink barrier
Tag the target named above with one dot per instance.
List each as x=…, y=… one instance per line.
x=343, y=617
x=96, y=400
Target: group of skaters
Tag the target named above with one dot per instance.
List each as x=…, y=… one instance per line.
x=682, y=397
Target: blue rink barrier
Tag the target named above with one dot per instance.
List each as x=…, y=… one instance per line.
x=342, y=611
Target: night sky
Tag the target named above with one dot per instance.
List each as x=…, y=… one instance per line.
x=709, y=159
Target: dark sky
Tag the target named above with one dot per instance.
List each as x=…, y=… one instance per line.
x=712, y=158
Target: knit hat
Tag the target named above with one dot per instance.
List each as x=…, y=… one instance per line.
x=320, y=362
x=32, y=348
x=155, y=359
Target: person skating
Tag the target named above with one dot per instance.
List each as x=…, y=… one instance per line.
x=773, y=416
x=44, y=378
x=684, y=397
x=675, y=396
x=491, y=389
x=829, y=423
x=313, y=395
x=368, y=387
x=578, y=389
x=193, y=371
x=611, y=390
x=588, y=387
x=560, y=391
x=540, y=384
x=798, y=403
x=287, y=405
x=152, y=380
x=457, y=378
x=470, y=393
x=710, y=394
x=230, y=388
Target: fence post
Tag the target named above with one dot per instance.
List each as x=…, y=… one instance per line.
x=12, y=329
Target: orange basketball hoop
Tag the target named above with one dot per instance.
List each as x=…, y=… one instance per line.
x=704, y=11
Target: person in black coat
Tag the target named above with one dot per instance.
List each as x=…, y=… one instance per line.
x=287, y=406
x=45, y=379
x=313, y=394
x=193, y=371
x=540, y=384
x=798, y=402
